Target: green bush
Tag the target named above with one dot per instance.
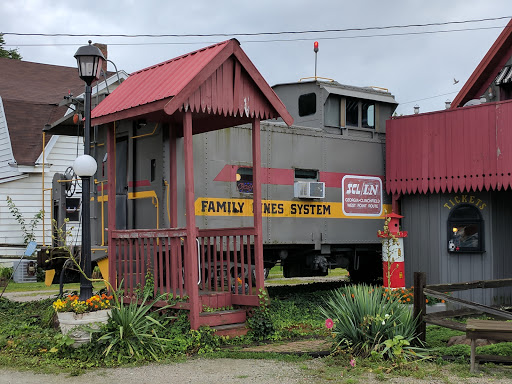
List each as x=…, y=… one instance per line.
x=260, y=321
x=5, y=273
x=367, y=322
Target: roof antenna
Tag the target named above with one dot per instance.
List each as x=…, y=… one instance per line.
x=315, y=48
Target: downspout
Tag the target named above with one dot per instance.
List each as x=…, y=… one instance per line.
x=43, y=189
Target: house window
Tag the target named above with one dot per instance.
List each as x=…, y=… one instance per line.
x=244, y=180
x=73, y=208
x=307, y=104
x=465, y=229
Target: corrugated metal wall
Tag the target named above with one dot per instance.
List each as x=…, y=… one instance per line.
x=501, y=243
x=426, y=247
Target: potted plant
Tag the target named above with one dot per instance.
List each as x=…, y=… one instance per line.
x=77, y=317
x=241, y=287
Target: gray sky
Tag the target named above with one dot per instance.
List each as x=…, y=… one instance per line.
x=412, y=67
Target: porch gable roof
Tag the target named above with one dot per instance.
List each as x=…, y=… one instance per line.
x=216, y=80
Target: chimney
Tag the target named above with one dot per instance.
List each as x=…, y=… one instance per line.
x=104, y=51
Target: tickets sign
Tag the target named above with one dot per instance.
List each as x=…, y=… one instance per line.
x=361, y=195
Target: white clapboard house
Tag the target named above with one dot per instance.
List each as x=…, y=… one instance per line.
x=32, y=96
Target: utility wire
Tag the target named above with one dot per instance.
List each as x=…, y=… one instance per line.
x=431, y=97
x=259, y=33
x=266, y=41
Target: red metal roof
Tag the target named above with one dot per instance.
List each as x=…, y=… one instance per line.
x=218, y=80
x=488, y=69
x=450, y=151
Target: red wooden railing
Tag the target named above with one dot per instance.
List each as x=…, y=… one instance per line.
x=225, y=258
x=159, y=251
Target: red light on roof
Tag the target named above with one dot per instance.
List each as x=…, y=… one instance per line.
x=315, y=46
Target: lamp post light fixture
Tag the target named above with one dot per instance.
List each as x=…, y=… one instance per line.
x=90, y=60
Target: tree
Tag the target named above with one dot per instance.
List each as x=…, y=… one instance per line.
x=8, y=53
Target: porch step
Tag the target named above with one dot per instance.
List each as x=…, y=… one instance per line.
x=215, y=299
x=231, y=330
x=214, y=319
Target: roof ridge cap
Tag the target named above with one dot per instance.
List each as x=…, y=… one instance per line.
x=183, y=56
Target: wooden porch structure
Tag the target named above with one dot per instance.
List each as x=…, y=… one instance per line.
x=209, y=89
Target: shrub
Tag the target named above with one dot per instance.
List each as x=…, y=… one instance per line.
x=365, y=321
x=260, y=321
x=132, y=331
x=5, y=273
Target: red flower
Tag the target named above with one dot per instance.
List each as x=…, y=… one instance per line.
x=329, y=323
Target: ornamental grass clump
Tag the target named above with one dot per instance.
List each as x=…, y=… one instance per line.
x=133, y=331
x=364, y=321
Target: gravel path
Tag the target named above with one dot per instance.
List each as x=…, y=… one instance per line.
x=222, y=371
x=227, y=371
x=29, y=296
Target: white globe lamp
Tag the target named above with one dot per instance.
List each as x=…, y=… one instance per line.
x=85, y=166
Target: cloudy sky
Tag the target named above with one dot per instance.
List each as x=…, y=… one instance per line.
x=418, y=65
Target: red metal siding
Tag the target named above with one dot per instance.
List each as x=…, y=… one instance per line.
x=450, y=151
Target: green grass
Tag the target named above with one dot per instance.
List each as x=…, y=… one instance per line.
x=40, y=286
x=275, y=276
x=26, y=337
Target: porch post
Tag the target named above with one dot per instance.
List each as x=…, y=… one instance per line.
x=191, y=263
x=256, y=195
x=173, y=179
x=111, y=193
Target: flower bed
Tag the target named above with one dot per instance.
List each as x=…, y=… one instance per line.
x=406, y=296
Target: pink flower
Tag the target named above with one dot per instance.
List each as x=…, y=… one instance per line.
x=329, y=323
x=353, y=362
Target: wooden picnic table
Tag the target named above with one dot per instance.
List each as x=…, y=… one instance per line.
x=487, y=329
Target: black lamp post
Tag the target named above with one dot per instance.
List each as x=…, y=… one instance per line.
x=89, y=59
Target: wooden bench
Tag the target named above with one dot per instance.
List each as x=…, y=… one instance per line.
x=487, y=329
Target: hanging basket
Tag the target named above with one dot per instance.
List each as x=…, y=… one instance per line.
x=72, y=324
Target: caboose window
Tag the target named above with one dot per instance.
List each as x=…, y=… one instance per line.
x=352, y=112
x=332, y=111
x=368, y=114
x=465, y=229
x=307, y=104
x=309, y=174
x=244, y=180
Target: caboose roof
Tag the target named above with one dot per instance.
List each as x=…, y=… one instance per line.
x=219, y=84
x=368, y=93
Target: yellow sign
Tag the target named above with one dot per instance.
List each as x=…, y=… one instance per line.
x=210, y=206
x=48, y=277
x=460, y=199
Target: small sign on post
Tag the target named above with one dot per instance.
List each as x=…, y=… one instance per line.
x=31, y=247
